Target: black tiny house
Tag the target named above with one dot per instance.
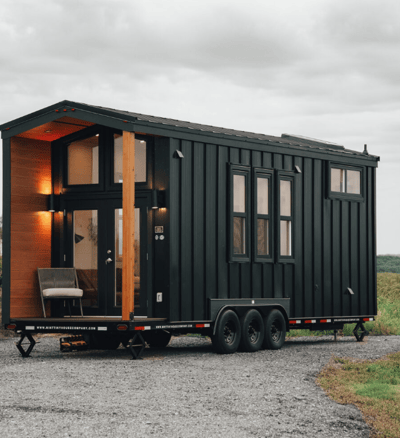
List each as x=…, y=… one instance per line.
x=180, y=227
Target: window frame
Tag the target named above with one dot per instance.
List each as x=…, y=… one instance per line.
x=242, y=170
x=149, y=162
x=284, y=176
x=82, y=135
x=269, y=175
x=344, y=196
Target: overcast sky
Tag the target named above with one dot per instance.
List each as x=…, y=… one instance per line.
x=327, y=69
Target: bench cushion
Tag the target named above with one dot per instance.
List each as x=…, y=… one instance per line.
x=63, y=292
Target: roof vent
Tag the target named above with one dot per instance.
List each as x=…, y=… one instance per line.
x=312, y=141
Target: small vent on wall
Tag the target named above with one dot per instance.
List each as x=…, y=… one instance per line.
x=178, y=154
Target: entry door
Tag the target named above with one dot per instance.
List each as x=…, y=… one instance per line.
x=95, y=240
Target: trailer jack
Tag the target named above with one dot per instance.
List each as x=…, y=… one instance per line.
x=136, y=346
x=27, y=352
x=360, y=334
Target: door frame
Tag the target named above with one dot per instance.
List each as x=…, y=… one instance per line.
x=106, y=227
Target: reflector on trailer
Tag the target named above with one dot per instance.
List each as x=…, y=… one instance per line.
x=368, y=319
x=11, y=326
x=325, y=320
x=122, y=327
x=310, y=321
x=295, y=321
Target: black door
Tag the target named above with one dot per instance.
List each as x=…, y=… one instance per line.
x=94, y=247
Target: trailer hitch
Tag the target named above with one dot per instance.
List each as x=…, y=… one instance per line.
x=32, y=342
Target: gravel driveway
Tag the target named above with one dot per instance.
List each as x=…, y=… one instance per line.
x=185, y=390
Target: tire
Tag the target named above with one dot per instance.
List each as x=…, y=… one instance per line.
x=275, y=330
x=158, y=338
x=227, y=333
x=252, y=328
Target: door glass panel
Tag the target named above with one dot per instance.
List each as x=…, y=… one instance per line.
x=140, y=159
x=85, y=231
x=137, y=259
x=83, y=161
x=118, y=257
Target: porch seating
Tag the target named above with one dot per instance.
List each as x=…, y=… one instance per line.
x=60, y=284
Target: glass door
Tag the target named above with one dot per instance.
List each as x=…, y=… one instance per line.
x=95, y=243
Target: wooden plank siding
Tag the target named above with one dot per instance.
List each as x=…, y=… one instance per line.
x=333, y=239
x=30, y=229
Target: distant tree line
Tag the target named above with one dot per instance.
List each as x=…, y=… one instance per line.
x=388, y=263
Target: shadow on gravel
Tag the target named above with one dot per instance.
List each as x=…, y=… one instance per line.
x=309, y=341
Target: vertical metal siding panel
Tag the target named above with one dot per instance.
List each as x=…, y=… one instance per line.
x=354, y=258
x=277, y=161
x=317, y=239
x=175, y=235
x=297, y=301
x=267, y=160
x=6, y=230
x=222, y=221
x=374, y=268
x=211, y=216
x=362, y=241
x=308, y=237
x=234, y=276
x=186, y=231
x=288, y=269
x=345, y=259
x=336, y=259
x=256, y=268
x=245, y=268
x=268, y=268
x=198, y=232
x=288, y=162
x=327, y=256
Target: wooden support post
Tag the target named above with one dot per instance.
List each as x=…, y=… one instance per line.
x=128, y=223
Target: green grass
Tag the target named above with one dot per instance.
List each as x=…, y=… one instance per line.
x=387, y=321
x=373, y=386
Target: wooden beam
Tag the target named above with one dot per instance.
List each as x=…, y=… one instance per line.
x=128, y=223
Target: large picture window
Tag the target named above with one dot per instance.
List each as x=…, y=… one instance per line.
x=240, y=213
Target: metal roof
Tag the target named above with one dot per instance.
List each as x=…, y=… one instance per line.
x=289, y=140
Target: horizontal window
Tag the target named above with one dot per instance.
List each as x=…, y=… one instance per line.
x=345, y=182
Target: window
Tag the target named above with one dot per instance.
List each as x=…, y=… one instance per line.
x=240, y=214
x=263, y=246
x=345, y=182
x=83, y=161
x=140, y=160
x=286, y=215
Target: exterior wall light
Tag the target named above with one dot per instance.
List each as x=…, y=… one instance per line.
x=53, y=203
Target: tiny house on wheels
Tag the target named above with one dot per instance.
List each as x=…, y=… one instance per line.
x=174, y=227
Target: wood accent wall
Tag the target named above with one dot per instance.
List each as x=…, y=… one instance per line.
x=30, y=223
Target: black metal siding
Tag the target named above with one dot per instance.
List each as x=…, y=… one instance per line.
x=334, y=240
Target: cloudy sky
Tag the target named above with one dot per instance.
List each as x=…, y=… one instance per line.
x=327, y=69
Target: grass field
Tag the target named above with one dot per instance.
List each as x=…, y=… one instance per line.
x=373, y=386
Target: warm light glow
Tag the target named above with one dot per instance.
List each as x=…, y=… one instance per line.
x=44, y=186
x=44, y=218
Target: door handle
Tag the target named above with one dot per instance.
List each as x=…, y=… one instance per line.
x=109, y=260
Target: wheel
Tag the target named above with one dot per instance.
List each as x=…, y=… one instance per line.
x=158, y=338
x=252, y=327
x=275, y=330
x=227, y=333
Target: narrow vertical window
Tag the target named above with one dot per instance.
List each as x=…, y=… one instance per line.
x=285, y=189
x=262, y=213
x=240, y=201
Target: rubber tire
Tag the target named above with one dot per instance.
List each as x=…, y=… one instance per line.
x=275, y=330
x=252, y=328
x=227, y=333
x=158, y=338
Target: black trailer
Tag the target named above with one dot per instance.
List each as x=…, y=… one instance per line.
x=236, y=235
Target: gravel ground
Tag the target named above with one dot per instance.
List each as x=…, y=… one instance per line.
x=185, y=390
